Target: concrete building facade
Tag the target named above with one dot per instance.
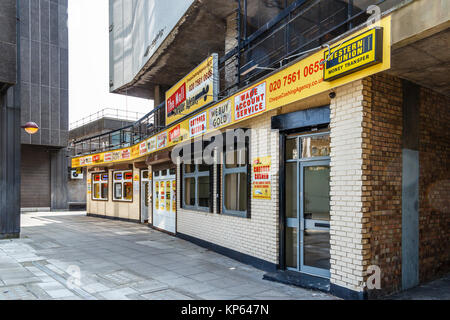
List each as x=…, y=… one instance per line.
x=9, y=124
x=39, y=94
x=45, y=101
x=337, y=181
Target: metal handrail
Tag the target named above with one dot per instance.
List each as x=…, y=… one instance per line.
x=106, y=112
x=123, y=137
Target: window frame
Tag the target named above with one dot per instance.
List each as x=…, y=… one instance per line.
x=100, y=183
x=122, y=182
x=238, y=170
x=196, y=175
x=299, y=145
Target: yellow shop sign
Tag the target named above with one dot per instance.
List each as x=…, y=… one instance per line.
x=355, y=54
x=197, y=89
x=357, y=57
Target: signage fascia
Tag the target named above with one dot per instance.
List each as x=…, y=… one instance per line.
x=282, y=88
x=197, y=89
x=362, y=51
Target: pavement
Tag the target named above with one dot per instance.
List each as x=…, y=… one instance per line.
x=69, y=256
x=435, y=290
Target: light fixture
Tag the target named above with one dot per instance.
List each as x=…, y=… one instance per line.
x=31, y=128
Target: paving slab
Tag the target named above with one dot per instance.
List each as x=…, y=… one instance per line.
x=121, y=260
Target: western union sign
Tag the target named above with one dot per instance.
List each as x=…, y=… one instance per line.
x=355, y=54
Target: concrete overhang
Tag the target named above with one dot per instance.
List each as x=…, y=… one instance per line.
x=199, y=33
x=421, y=42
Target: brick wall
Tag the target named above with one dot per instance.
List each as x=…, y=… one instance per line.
x=434, y=184
x=348, y=230
x=382, y=178
x=257, y=236
x=366, y=184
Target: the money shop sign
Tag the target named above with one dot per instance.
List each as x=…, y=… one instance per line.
x=197, y=89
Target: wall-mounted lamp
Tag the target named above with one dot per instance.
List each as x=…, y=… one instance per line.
x=31, y=128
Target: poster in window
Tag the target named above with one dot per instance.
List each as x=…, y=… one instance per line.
x=162, y=202
x=174, y=196
x=168, y=195
x=128, y=176
x=156, y=195
x=261, y=178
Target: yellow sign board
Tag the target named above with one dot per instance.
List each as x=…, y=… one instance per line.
x=355, y=54
x=262, y=178
x=197, y=89
x=294, y=83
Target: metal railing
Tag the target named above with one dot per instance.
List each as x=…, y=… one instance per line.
x=119, y=114
x=124, y=137
x=300, y=27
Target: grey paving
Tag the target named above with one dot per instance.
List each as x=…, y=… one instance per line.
x=435, y=290
x=69, y=256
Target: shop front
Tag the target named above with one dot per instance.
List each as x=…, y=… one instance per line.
x=299, y=187
x=114, y=192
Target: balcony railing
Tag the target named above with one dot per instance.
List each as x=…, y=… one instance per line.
x=300, y=27
x=119, y=114
x=123, y=137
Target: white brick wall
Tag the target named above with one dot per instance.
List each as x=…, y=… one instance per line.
x=346, y=187
x=257, y=236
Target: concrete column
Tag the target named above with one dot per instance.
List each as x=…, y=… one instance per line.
x=410, y=185
x=9, y=166
x=160, y=117
x=58, y=180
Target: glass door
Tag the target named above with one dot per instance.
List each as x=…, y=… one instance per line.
x=145, y=195
x=308, y=204
x=315, y=218
x=164, y=196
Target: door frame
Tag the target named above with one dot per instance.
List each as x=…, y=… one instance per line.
x=159, y=179
x=142, y=181
x=298, y=222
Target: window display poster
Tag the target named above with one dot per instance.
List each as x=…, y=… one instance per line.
x=174, y=197
x=261, y=178
x=157, y=195
x=168, y=195
x=162, y=193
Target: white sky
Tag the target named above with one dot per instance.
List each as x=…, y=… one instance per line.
x=89, y=63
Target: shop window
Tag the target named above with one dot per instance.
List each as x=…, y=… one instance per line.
x=123, y=186
x=315, y=146
x=197, y=186
x=100, y=186
x=235, y=182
